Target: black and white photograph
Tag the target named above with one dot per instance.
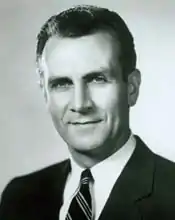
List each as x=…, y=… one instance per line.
x=87, y=110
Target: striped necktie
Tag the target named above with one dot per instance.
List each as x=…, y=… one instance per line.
x=81, y=205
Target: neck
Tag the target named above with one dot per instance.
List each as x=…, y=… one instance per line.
x=90, y=158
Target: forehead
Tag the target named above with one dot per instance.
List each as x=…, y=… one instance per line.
x=78, y=56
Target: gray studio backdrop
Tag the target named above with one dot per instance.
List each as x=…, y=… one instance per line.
x=28, y=140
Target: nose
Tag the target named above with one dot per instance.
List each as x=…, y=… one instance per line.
x=81, y=101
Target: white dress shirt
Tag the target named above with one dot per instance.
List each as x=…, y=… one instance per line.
x=105, y=174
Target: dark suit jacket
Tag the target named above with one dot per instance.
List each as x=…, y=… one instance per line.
x=145, y=190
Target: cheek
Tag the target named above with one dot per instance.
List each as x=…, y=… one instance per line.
x=57, y=104
x=107, y=98
x=112, y=102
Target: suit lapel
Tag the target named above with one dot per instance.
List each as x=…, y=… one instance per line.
x=53, y=196
x=133, y=185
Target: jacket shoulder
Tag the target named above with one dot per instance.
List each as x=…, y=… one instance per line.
x=164, y=172
x=33, y=183
x=32, y=196
x=37, y=177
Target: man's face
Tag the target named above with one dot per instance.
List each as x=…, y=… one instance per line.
x=86, y=95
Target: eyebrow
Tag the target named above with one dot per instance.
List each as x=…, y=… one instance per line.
x=103, y=71
x=93, y=74
x=55, y=78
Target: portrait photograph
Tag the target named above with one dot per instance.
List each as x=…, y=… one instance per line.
x=87, y=111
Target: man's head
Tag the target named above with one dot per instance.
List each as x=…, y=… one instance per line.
x=86, y=60
x=86, y=20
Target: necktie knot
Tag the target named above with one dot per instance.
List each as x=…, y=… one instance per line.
x=86, y=176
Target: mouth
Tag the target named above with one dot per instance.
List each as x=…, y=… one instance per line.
x=85, y=122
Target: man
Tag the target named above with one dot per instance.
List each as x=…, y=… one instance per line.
x=87, y=65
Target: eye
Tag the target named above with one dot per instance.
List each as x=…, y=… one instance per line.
x=60, y=83
x=96, y=78
x=99, y=79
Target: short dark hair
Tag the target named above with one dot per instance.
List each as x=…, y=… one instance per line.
x=84, y=20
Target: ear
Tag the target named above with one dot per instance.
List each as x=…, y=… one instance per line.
x=42, y=85
x=134, y=80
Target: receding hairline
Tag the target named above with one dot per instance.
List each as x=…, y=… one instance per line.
x=113, y=38
x=115, y=45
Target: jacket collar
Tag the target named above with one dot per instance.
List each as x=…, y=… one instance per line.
x=137, y=177
x=53, y=194
x=134, y=184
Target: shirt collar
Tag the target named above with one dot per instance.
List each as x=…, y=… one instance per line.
x=114, y=164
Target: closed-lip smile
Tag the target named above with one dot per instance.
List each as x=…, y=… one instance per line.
x=85, y=122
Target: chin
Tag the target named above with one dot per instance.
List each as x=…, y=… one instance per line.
x=84, y=145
